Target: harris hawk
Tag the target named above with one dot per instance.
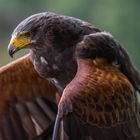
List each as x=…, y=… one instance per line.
x=90, y=69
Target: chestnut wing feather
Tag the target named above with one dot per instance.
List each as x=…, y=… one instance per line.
x=27, y=102
x=100, y=104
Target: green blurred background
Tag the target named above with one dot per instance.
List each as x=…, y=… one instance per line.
x=120, y=17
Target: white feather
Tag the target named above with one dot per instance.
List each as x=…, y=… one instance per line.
x=43, y=60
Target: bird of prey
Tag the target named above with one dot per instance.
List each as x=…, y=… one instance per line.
x=91, y=71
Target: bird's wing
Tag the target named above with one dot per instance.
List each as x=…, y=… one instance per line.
x=128, y=69
x=100, y=111
x=99, y=103
x=27, y=102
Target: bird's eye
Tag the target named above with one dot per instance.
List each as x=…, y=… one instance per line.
x=26, y=34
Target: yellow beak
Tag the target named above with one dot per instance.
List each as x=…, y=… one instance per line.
x=16, y=44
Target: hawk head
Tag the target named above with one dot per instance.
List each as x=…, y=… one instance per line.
x=28, y=33
x=51, y=39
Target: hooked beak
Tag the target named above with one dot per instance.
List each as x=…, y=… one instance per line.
x=17, y=43
x=12, y=50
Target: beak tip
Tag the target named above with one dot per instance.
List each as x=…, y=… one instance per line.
x=11, y=50
x=11, y=55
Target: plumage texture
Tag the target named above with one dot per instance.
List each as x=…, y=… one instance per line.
x=100, y=103
x=27, y=102
x=91, y=71
x=53, y=39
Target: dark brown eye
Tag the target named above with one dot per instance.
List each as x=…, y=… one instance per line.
x=27, y=34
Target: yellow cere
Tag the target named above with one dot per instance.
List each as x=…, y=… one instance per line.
x=19, y=41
